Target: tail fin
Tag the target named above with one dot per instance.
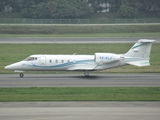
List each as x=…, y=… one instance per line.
x=140, y=49
x=139, y=54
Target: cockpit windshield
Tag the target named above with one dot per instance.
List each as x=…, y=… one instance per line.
x=30, y=59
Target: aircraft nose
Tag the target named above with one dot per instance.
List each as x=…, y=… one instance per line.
x=15, y=66
x=7, y=67
x=10, y=67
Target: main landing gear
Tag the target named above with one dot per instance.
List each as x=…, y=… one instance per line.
x=21, y=75
x=86, y=73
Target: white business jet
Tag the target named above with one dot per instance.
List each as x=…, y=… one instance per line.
x=138, y=55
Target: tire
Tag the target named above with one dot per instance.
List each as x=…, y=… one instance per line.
x=21, y=75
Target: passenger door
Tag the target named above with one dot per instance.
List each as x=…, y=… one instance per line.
x=42, y=60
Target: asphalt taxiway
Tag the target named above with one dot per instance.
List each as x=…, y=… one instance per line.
x=79, y=80
x=78, y=40
x=80, y=110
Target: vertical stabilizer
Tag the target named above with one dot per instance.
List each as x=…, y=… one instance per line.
x=140, y=49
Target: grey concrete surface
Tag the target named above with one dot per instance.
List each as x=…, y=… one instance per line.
x=79, y=80
x=73, y=40
x=80, y=111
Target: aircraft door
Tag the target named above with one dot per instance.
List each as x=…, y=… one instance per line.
x=42, y=60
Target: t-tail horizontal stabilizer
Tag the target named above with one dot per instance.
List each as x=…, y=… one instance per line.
x=139, y=63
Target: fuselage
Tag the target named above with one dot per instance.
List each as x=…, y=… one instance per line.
x=61, y=62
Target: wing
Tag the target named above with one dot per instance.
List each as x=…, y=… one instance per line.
x=81, y=68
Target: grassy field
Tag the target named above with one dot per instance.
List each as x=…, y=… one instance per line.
x=79, y=29
x=80, y=94
x=147, y=14
x=11, y=53
x=104, y=35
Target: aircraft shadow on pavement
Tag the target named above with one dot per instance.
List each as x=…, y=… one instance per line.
x=91, y=77
x=61, y=77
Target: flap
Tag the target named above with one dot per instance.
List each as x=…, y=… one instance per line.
x=80, y=68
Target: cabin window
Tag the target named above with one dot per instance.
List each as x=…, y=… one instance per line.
x=62, y=61
x=74, y=61
x=29, y=59
x=50, y=61
x=35, y=58
x=56, y=61
x=68, y=61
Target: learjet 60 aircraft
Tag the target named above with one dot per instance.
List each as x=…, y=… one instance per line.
x=138, y=55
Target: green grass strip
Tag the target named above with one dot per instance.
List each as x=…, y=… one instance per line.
x=104, y=35
x=80, y=94
x=74, y=29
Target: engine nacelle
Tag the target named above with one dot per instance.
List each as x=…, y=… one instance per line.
x=106, y=57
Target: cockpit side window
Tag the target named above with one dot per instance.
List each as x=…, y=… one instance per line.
x=29, y=59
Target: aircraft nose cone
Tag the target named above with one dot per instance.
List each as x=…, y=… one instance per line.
x=15, y=66
x=6, y=67
x=9, y=67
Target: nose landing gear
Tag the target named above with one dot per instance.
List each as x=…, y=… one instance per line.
x=86, y=73
x=21, y=75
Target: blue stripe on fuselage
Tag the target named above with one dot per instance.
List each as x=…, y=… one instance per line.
x=64, y=64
